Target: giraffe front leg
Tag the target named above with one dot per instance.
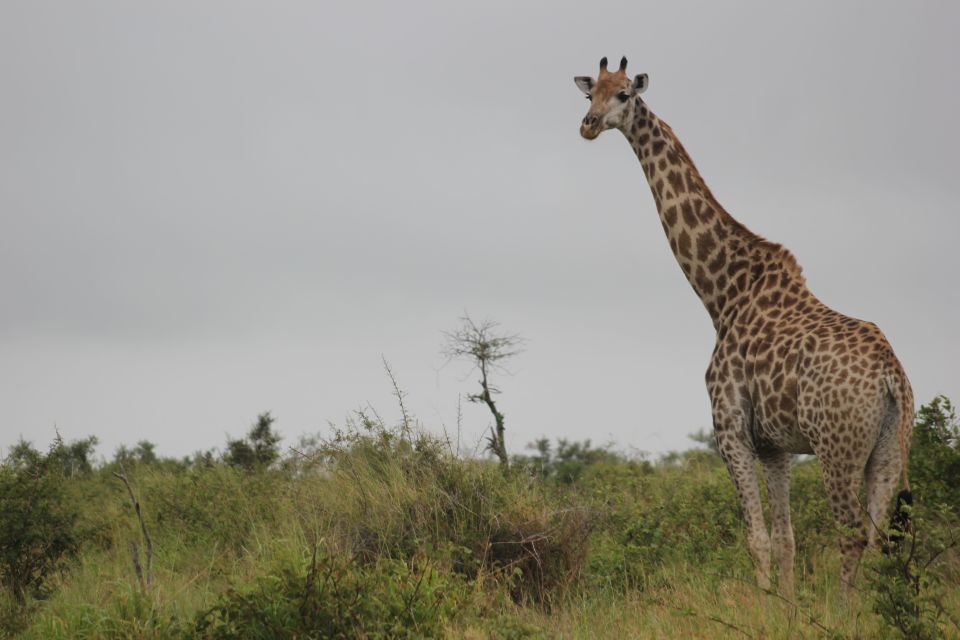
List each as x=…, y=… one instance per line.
x=738, y=454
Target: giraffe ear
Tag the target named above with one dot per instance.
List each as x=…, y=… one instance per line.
x=640, y=83
x=585, y=83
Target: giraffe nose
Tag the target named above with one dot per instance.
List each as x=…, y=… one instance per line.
x=591, y=120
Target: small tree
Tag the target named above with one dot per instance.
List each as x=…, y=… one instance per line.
x=935, y=455
x=486, y=349
x=259, y=449
x=144, y=453
x=567, y=462
x=67, y=459
x=38, y=532
x=704, y=437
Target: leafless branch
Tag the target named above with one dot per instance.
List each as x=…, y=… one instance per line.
x=481, y=342
x=144, y=579
x=400, y=395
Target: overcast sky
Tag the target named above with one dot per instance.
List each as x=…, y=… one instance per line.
x=213, y=209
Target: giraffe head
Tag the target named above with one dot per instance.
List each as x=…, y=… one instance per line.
x=610, y=96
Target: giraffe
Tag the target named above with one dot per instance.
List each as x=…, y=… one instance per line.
x=788, y=374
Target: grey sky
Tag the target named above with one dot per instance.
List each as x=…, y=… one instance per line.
x=208, y=210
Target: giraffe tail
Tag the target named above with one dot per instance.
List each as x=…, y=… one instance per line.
x=902, y=394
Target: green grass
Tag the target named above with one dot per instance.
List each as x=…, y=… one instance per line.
x=380, y=535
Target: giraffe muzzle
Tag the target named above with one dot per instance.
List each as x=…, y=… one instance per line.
x=590, y=127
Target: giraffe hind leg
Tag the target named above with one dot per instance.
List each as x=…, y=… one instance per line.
x=842, y=481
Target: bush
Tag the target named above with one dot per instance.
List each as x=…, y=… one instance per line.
x=907, y=582
x=935, y=455
x=335, y=597
x=400, y=498
x=259, y=449
x=205, y=504
x=684, y=511
x=567, y=462
x=37, y=517
x=814, y=527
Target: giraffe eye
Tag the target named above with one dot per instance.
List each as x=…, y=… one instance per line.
x=589, y=97
x=623, y=96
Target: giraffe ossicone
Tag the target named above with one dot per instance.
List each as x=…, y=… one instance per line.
x=788, y=374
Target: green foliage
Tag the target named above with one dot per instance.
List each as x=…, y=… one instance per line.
x=687, y=510
x=142, y=454
x=202, y=505
x=935, y=455
x=568, y=462
x=335, y=597
x=259, y=449
x=38, y=532
x=573, y=540
x=813, y=523
x=706, y=438
x=907, y=584
x=65, y=459
x=400, y=498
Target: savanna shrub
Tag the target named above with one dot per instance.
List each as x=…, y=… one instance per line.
x=259, y=449
x=907, y=582
x=567, y=462
x=335, y=597
x=219, y=502
x=935, y=455
x=685, y=509
x=685, y=512
x=813, y=524
x=392, y=496
x=38, y=532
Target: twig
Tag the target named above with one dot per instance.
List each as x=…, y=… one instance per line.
x=399, y=394
x=459, y=420
x=953, y=543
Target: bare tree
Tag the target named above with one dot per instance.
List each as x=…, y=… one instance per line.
x=486, y=348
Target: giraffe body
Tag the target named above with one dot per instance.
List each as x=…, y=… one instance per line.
x=788, y=374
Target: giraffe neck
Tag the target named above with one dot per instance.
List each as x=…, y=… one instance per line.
x=718, y=255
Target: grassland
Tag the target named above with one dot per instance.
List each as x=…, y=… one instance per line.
x=381, y=533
